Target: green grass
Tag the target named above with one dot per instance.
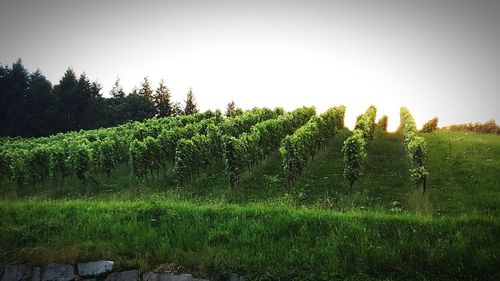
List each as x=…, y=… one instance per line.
x=312, y=231
x=260, y=242
x=464, y=172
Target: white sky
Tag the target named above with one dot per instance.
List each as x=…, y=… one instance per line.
x=438, y=58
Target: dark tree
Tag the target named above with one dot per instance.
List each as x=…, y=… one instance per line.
x=14, y=84
x=163, y=101
x=39, y=107
x=67, y=101
x=191, y=106
x=117, y=90
x=177, y=109
x=137, y=107
x=146, y=90
x=230, y=109
x=31, y=106
x=80, y=103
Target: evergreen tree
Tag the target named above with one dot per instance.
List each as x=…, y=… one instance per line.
x=39, y=107
x=191, y=106
x=14, y=83
x=162, y=101
x=177, y=109
x=146, y=90
x=136, y=107
x=117, y=90
x=230, y=109
x=67, y=101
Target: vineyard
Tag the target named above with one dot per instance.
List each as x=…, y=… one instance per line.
x=191, y=144
x=267, y=193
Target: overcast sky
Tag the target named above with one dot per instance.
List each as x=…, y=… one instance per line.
x=437, y=57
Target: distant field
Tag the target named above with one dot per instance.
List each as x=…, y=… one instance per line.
x=312, y=231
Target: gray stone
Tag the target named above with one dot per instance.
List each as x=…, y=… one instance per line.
x=200, y=279
x=156, y=276
x=20, y=272
x=166, y=276
x=36, y=274
x=180, y=277
x=236, y=277
x=131, y=275
x=58, y=272
x=95, y=268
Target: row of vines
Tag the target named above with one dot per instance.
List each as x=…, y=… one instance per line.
x=81, y=154
x=307, y=141
x=415, y=147
x=354, y=148
x=194, y=154
x=192, y=144
x=145, y=146
x=243, y=152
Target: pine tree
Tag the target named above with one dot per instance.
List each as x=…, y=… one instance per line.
x=117, y=90
x=146, y=90
x=231, y=109
x=162, y=101
x=177, y=109
x=191, y=106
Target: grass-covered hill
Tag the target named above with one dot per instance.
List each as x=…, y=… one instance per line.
x=266, y=230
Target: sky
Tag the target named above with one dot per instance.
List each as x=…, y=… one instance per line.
x=436, y=57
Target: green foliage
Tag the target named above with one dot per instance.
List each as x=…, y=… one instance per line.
x=97, y=151
x=382, y=123
x=208, y=143
x=416, y=149
x=234, y=164
x=354, y=154
x=80, y=160
x=366, y=123
x=354, y=148
x=185, y=158
x=138, y=159
x=59, y=167
x=264, y=138
x=306, y=141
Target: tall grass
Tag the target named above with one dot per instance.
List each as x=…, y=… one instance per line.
x=261, y=242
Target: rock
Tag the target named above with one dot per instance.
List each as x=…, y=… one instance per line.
x=79, y=278
x=199, y=279
x=36, y=274
x=95, y=268
x=182, y=277
x=21, y=272
x=58, y=272
x=166, y=276
x=131, y=275
x=154, y=276
x=236, y=277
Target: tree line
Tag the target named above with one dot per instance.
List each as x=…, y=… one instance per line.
x=30, y=106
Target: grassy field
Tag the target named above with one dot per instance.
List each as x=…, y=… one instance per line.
x=260, y=242
x=312, y=231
